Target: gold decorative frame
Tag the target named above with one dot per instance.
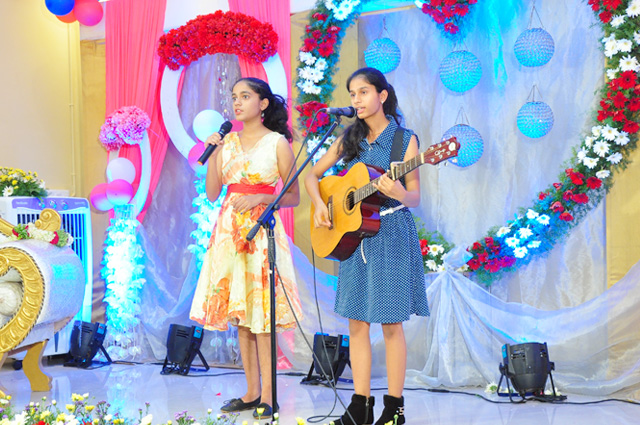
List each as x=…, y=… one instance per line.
x=17, y=329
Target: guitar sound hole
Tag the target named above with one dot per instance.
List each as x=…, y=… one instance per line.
x=349, y=202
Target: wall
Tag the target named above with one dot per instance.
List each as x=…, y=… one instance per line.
x=40, y=94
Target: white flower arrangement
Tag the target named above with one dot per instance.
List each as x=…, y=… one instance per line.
x=58, y=238
x=342, y=10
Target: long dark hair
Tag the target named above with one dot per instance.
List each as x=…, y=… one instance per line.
x=276, y=116
x=357, y=131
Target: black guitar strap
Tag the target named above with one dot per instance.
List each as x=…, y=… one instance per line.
x=396, y=147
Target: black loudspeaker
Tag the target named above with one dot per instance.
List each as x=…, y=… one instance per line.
x=527, y=366
x=330, y=356
x=86, y=340
x=183, y=343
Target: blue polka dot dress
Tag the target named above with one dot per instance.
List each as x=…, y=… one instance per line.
x=383, y=280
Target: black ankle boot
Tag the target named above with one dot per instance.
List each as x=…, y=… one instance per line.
x=393, y=407
x=360, y=409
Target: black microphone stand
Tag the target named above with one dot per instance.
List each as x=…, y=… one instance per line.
x=268, y=221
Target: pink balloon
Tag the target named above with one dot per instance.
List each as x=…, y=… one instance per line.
x=119, y=192
x=88, y=12
x=98, y=198
x=194, y=154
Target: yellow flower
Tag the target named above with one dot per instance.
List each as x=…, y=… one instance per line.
x=70, y=407
x=15, y=182
x=300, y=421
x=89, y=408
x=61, y=417
x=96, y=420
x=44, y=414
x=8, y=397
x=260, y=411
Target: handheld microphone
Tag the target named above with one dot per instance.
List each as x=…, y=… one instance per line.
x=224, y=129
x=348, y=112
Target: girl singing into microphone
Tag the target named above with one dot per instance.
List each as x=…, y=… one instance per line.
x=234, y=282
x=383, y=280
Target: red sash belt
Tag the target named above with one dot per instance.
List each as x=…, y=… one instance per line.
x=251, y=188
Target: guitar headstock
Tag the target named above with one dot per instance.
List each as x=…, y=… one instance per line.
x=442, y=151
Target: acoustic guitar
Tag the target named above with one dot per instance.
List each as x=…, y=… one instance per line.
x=354, y=204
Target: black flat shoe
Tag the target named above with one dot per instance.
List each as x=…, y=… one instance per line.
x=267, y=412
x=237, y=405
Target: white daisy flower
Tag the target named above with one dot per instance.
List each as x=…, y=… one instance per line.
x=601, y=148
x=622, y=139
x=624, y=45
x=610, y=51
x=634, y=9
x=615, y=158
x=307, y=58
x=636, y=37
x=512, y=242
x=525, y=233
x=603, y=174
x=544, y=219
x=596, y=130
x=441, y=268
x=310, y=73
x=611, y=37
x=611, y=73
x=308, y=87
x=431, y=265
x=7, y=191
x=503, y=231
x=520, y=252
x=629, y=63
x=435, y=249
x=531, y=214
x=588, y=141
x=582, y=154
x=617, y=20
x=609, y=132
x=533, y=244
x=590, y=162
x=321, y=65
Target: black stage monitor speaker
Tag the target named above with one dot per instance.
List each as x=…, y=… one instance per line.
x=330, y=356
x=183, y=344
x=86, y=340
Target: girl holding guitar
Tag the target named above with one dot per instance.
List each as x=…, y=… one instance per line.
x=383, y=280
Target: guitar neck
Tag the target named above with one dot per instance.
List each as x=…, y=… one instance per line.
x=433, y=155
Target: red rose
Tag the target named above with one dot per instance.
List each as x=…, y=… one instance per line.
x=605, y=17
x=558, y=186
x=557, y=207
x=567, y=195
x=489, y=241
x=619, y=100
x=594, y=183
x=631, y=127
x=542, y=195
x=483, y=258
x=477, y=246
x=580, y=198
x=565, y=216
x=473, y=264
x=424, y=246
x=56, y=239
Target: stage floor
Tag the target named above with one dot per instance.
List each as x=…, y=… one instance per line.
x=128, y=387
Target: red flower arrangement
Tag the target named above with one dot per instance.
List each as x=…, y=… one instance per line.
x=622, y=99
x=447, y=12
x=307, y=111
x=322, y=41
x=219, y=32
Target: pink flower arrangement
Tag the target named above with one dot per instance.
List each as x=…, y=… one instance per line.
x=125, y=125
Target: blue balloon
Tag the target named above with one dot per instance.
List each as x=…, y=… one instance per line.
x=471, y=144
x=535, y=119
x=60, y=7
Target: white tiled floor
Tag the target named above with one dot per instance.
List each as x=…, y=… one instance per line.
x=129, y=387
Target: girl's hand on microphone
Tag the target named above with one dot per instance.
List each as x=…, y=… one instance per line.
x=215, y=139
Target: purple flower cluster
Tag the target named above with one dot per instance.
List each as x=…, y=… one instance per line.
x=125, y=125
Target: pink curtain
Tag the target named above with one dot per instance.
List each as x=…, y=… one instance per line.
x=277, y=13
x=133, y=28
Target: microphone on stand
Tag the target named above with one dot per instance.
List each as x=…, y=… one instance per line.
x=224, y=129
x=348, y=112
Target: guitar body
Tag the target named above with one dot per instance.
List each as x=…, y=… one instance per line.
x=351, y=223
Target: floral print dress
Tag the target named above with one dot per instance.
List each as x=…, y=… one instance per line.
x=233, y=286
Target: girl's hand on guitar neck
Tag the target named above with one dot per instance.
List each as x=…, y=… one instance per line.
x=321, y=216
x=390, y=188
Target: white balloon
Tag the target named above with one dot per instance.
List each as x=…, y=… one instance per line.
x=206, y=123
x=121, y=168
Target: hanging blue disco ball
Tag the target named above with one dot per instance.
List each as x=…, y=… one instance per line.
x=460, y=71
x=471, y=144
x=535, y=119
x=534, y=47
x=382, y=54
